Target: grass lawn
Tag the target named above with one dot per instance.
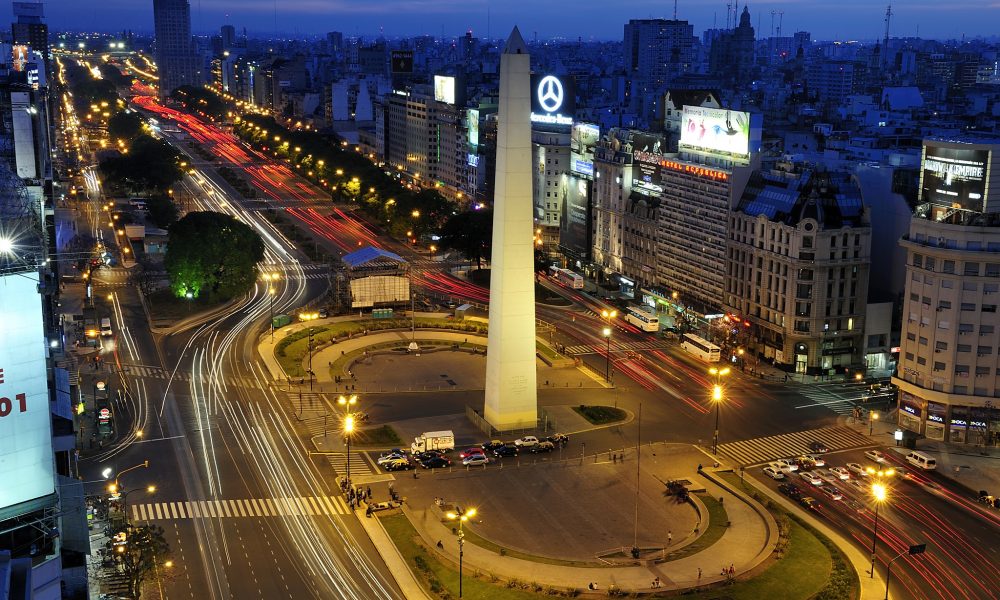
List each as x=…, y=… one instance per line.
x=471, y=537
x=717, y=519
x=601, y=415
x=380, y=436
x=441, y=578
x=165, y=306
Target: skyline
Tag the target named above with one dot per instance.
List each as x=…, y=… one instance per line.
x=591, y=20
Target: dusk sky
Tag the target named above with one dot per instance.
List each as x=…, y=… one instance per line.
x=601, y=19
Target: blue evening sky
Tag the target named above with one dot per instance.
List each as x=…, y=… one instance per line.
x=600, y=19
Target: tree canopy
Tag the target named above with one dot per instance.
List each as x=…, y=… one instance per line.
x=138, y=552
x=125, y=125
x=212, y=254
x=148, y=165
x=162, y=210
x=471, y=233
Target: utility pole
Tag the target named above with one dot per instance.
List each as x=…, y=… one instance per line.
x=885, y=40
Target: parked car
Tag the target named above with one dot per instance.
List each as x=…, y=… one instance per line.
x=397, y=464
x=526, y=442
x=422, y=456
x=471, y=451
x=832, y=492
x=559, y=439
x=435, y=462
x=818, y=447
x=810, y=477
x=857, y=469
x=773, y=473
x=816, y=460
x=323, y=313
x=809, y=503
x=391, y=456
x=841, y=472
x=781, y=467
x=543, y=446
x=791, y=490
x=475, y=459
x=875, y=455
x=492, y=445
x=505, y=450
x=792, y=466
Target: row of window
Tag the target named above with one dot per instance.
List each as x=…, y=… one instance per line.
x=974, y=245
x=969, y=268
x=947, y=305
x=960, y=370
x=967, y=286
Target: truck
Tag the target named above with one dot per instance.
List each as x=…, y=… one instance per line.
x=433, y=440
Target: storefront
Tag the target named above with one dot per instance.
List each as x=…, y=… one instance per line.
x=937, y=416
x=910, y=412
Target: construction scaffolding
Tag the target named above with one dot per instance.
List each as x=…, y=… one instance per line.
x=377, y=278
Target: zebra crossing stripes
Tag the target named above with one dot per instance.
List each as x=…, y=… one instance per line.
x=158, y=373
x=241, y=508
x=758, y=451
x=626, y=347
x=826, y=398
x=360, y=465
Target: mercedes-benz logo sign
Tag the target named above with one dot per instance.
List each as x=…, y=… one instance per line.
x=550, y=93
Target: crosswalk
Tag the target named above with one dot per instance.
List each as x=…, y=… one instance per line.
x=360, y=464
x=616, y=347
x=241, y=508
x=761, y=450
x=149, y=372
x=828, y=397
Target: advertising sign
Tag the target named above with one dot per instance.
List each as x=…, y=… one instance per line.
x=574, y=226
x=25, y=424
x=19, y=57
x=647, y=151
x=553, y=102
x=444, y=89
x=472, y=125
x=402, y=61
x=954, y=177
x=716, y=130
x=582, y=141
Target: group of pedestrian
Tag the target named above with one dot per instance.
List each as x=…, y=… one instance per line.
x=727, y=573
x=355, y=496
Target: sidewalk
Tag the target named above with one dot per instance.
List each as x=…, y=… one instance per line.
x=407, y=582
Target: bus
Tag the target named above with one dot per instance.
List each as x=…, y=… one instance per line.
x=643, y=318
x=567, y=277
x=700, y=347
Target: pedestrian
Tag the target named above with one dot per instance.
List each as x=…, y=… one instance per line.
x=732, y=570
x=699, y=575
x=368, y=492
x=368, y=511
x=670, y=537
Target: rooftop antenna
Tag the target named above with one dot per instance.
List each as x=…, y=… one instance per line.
x=781, y=17
x=772, y=23
x=885, y=40
x=729, y=9
x=675, y=10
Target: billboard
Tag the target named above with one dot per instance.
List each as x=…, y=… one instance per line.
x=582, y=141
x=472, y=126
x=647, y=151
x=444, y=89
x=19, y=57
x=402, y=61
x=716, y=130
x=954, y=177
x=25, y=423
x=553, y=102
x=574, y=225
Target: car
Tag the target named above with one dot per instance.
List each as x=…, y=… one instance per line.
x=809, y=503
x=429, y=454
x=106, y=327
x=882, y=388
x=841, y=472
x=826, y=475
x=559, y=439
x=435, y=462
x=544, y=446
x=791, y=464
x=816, y=460
x=832, y=492
x=397, y=464
x=470, y=452
x=857, y=469
x=875, y=455
x=475, y=460
x=361, y=417
x=810, y=477
x=818, y=447
x=805, y=463
x=781, y=467
x=505, y=450
x=492, y=445
x=526, y=442
x=323, y=313
x=790, y=489
x=391, y=456
x=773, y=473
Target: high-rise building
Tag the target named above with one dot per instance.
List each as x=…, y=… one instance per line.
x=732, y=53
x=228, y=34
x=657, y=51
x=176, y=57
x=28, y=28
x=949, y=363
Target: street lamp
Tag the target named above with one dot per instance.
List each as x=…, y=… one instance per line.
x=879, y=492
x=116, y=486
x=717, y=399
x=461, y=518
x=269, y=277
x=872, y=417
x=607, y=355
x=347, y=402
x=912, y=550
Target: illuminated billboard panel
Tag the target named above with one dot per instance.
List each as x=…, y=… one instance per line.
x=647, y=151
x=582, y=141
x=444, y=89
x=954, y=177
x=716, y=130
x=553, y=102
x=25, y=423
x=574, y=226
x=472, y=125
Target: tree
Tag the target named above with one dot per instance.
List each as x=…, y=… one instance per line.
x=213, y=254
x=138, y=551
x=162, y=210
x=149, y=165
x=125, y=125
x=471, y=233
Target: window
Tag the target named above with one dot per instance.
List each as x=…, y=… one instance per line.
x=982, y=371
x=985, y=330
x=914, y=297
x=923, y=341
x=949, y=266
x=964, y=348
x=972, y=268
x=926, y=301
x=968, y=286
x=918, y=260
x=940, y=345
x=921, y=360
x=989, y=308
x=938, y=366
x=968, y=306
x=992, y=270
x=944, y=304
x=947, y=284
x=929, y=263
x=990, y=288
x=911, y=336
x=962, y=370
x=909, y=356
x=984, y=350
x=944, y=325
x=916, y=277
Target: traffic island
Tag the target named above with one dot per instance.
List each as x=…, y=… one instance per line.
x=601, y=415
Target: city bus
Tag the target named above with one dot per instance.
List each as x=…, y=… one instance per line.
x=567, y=277
x=643, y=318
x=700, y=347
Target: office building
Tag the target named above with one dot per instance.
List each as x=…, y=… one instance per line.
x=228, y=34
x=949, y=364
x=29, y=29
x=797, y=269
x=731, y=57
x=177, y=60
x=657, y=51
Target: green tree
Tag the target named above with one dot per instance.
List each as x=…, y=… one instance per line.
x=150, y=165
x=138, y=552
x=213, y=254
x=125, y=125
x=471, y=233
x=162, y=210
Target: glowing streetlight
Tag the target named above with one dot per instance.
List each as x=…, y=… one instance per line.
x=879, y=494
x=461, y=518
x=607, y=355
x=717, y=399
x=349, y=422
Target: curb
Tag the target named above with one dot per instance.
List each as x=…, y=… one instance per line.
x=400, y=570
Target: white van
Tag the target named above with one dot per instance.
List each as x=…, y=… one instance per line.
x=105, y=327
x=921, y=460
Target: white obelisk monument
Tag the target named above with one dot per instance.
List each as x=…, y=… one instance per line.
x=511, y=391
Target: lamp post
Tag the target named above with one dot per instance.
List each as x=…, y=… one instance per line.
x=717, y=399
x=879, y=494
x=269, y=277
x=607, y=355
x=461, y=518
x=872, y=417
x=347, y=402
x=912, y=550
x=115, y=486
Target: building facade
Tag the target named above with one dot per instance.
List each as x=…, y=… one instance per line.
x=177, y=61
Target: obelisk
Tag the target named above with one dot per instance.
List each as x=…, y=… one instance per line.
x=511, y=392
